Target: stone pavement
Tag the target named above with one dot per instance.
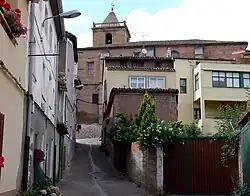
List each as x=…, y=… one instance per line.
x=91, y=174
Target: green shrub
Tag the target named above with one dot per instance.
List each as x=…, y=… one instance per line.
x=124, y=130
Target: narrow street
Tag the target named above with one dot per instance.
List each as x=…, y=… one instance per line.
x=92, y=174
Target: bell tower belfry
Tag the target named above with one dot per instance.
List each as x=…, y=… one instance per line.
x=111, y=31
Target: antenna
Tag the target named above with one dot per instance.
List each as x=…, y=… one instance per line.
x=142, y=37
x=112, y=7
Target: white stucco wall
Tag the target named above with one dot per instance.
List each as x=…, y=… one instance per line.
x=44, y=83
x=44, y=76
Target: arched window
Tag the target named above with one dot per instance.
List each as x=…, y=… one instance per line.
x=175, y=54
x=108, y=38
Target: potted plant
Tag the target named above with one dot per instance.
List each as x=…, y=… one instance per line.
x=13, y=19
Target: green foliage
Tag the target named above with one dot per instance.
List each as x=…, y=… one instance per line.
x=228, y=119
x=227, y=126
x=147, y=113
x=159, y=134
x=124, y=130
x=149, y=131
x=241, y=190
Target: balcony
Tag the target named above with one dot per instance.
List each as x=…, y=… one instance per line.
x=210, y=76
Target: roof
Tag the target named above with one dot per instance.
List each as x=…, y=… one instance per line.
x=73, y=39
x=152, y=69
x=111, y=18
x=170, y=43
x=115, y=91
x=138, y=57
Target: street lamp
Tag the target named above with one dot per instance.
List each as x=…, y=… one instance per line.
x=69, y=14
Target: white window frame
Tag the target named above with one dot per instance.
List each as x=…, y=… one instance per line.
x=136, y=77
x=157, y=78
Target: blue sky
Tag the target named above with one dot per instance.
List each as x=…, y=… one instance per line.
x=165, y=19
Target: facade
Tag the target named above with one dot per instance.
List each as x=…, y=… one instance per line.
x=66, y=109
x=203, y=84
x=13, y=85
x=112, y=38
x=53, y=62
x=44, y=74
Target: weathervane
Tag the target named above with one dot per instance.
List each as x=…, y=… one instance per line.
x=112, y=6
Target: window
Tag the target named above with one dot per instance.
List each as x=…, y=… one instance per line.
x=108, y=38
x=156, y=82
x=246, y=80
x=183, y=85
x=150, y=51
x=226, y=79
x=137, y=82
x=90, y=68
x=199, y=52
x=196, y=82
x=147, y=82
x=95, y=99
x=197, y=113
x=175, y=54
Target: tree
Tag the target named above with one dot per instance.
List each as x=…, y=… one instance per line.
x=147, y=112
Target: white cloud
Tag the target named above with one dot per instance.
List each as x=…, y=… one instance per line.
x=76, y=25
x=193, y=19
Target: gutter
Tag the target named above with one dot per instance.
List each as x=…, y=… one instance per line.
x=29, y=99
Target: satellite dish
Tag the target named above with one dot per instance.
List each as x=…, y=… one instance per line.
x=144, y=51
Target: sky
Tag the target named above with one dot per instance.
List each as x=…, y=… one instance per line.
x=165, y=19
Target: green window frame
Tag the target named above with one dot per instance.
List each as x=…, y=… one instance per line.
x=227, y=79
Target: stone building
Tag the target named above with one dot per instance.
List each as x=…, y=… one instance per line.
x=112, y=38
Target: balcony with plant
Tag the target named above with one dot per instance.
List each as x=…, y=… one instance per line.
x=11, y=21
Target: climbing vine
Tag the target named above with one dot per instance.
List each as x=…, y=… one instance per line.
x=227, y=126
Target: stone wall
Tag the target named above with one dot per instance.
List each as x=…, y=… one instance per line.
x=146, y=168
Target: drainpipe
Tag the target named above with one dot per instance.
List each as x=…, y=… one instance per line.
x=29, y=99
x=56, y=115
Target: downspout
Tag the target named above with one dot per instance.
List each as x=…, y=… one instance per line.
x=56, y=114
x=29, y=99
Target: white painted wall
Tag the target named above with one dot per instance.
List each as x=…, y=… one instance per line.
x=44, y=80
x=70, y=98
x=44, y=76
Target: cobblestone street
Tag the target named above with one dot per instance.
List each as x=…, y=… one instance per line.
x=91, y=174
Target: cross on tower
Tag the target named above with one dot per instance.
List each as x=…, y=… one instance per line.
x=112, y=6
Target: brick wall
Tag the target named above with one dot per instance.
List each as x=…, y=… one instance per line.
x=129, y=103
